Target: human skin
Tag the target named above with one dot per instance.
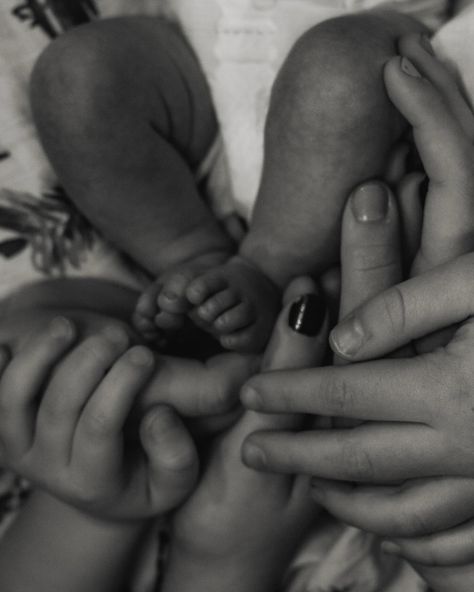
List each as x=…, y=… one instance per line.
x=107, y=546
x=429, y=384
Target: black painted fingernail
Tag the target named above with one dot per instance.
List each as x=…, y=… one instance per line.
x=307, y=314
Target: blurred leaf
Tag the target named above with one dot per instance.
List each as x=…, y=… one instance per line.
x=12, y=247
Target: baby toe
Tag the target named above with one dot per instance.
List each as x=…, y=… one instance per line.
x=173, y=295
x=205, y=286
x=168, y=321
x=235, y=319
x=216, y=305
x=143, y=324
x=147, y=303
x=241, y=341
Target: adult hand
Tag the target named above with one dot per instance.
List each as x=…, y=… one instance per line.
x=441, y=118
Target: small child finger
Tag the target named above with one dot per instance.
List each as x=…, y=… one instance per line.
x=99, y=431
x=71, y=385
x=23, y=379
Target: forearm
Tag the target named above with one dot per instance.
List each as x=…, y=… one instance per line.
x=53, y=548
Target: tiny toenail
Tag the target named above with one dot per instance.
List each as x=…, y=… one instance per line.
x=409, y=68
x=307, y=314
x=254, y=456
x=348, y=337
x=426, y=44
x=370, y=202
x=251, y=398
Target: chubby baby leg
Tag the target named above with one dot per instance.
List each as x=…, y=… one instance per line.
x=125, y=116
x=330, y=126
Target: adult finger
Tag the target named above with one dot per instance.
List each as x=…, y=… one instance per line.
x=418, y=48
x=98, y=438
x=384, y=390
x=411, y=509
x=447, y=155
x=408, y=311
x=370, y=246
x=72, y=383
x=453, y=546
x=299, y=339
x=197, y=389
x=23, y=380
x=411, y=213
x=370, y=452
x=171, y=455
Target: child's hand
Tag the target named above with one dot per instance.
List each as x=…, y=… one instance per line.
x=68, y=437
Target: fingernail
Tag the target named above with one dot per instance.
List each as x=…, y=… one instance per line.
x=390, y=548
x=347, y=338
x=141, y=356
x=250, y=398
x=426, y=44
x=253, y=456
x=61, y=328
x=307, y=314
x=369, y=202
x=408, y=68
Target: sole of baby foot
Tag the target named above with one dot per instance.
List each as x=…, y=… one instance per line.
x=238, y=303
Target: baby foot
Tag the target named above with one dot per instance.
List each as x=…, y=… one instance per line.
x=163, y=305
x=237, y=303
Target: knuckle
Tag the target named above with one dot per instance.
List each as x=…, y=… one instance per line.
x=97, y=425
x=379, y=257
x=179, y=459
x=337, y=395
x=394, y=307
x=98, y=349
x=430, y=555
x=356, y=462
x=412, y=524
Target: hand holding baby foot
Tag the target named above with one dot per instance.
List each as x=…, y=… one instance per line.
x=69, y=437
